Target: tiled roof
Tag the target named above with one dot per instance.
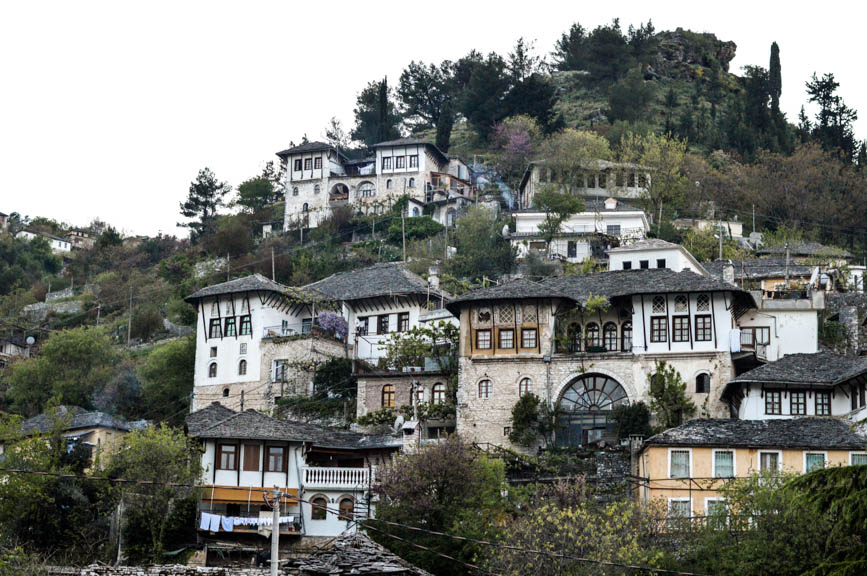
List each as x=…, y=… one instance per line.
x=819, y=369
x=647, y=244
x=252, y=283
x=412, y=142
x=307, y=147
x=758, y=268
x=805, y=249
x=797, y=433
x=385, y=279
x=79, y=418
x=216, y=421
x=518, y=289
x=618, y=283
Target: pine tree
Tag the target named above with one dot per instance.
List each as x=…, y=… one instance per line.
x=205, y=196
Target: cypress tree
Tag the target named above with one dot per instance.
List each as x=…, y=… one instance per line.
x=383, y=110
x=775, y=79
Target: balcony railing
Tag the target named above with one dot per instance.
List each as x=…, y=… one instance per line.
x=341, y=478
x=286, y=330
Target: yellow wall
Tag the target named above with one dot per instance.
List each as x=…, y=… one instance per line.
x=653, y=464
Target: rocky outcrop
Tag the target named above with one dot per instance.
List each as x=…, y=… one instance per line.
x=680, y=51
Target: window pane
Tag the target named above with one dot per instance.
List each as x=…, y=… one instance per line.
x=724, y=463
x=815, y=461
x=679, y=464
x=770, y=461
x=859, y=459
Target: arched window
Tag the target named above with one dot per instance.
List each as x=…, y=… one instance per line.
x=388, y=184
x=585, y=408
x=438, y=393
x=609, y=336
x=702, y=383
x=316, y=189
x=626, y=337
x=416, y=212
x=212, y=370
x=304, y=208
x=388, y=396
x=226, y=392
x=366, y=190
x=419, y=397
x=295, y=190
x=242, y=368
x=592, y=335
x=411, y=183
x=347, y=509
x=525, y=386
x=319, y=507
x=574, y=333
x=484, y=388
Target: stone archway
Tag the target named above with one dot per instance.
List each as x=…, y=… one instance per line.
x=584, y=409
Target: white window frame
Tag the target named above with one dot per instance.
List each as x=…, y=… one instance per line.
x=824, y=453
x=681, y=499
x=734, y=463
x=670, y=450
x=854, y=453
x=779, y=454
x=707, y=502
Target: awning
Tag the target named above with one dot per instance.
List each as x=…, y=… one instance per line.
x=245, y=494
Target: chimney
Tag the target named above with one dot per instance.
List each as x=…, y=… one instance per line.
x=611, y=204
x=433, y=277
x=729, y=272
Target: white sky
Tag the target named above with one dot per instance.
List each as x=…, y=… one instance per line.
x=109, y=109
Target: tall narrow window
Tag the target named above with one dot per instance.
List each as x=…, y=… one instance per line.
x=823, y=403
x=230, y=326
x=591, y=334
x=386, y=162
x=484, y=389
x=626, y=337
x=346, y=509
x=525, y=386
x=251, y=457
x=658, y=329
x=275, y=459
x=227, y=457
x=382, y=324
x=215, y=329
x=680, y=328
x=769, y=461
x=388, y=396
x=723, y=464
x=297, y=165
x=703, y=329
x=483, y=339
x=212, y=370
x=317, y=163
x=609, y=335
x=438, y=393
x=400, y=161
x=679, y=464
x=403, y=322
x=319, y=508
x=413, y=161
x=798, y=403
x=246, y=325
x=773, y=402
x=702, y=384
x=507, y=339
x=242, y=368
x=308, y=163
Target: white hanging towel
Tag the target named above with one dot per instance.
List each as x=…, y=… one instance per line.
x=227, y=523
x=205, y=523
x=735, y=340
x=215, y=523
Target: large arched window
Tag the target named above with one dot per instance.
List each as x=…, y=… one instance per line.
x=366, y=190
x=212, y=370
x=485, y=388
x=585, y=408
x=319, y=507
x=438, y=393
x=242, y=368
x=346, y=509
x=609, y=336
x=592, y=335
x=525, y=386
x=626, y=337
x=388, y=396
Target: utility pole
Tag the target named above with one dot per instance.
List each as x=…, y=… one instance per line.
x=98, y=310
x=228, y=267
x=659, y=224
x=273, y=275
x=720, y=239
x=120, y=531
x=275, y=533
x=129, y=320
x=787, y=265
x=403, y=231
x=754, y=217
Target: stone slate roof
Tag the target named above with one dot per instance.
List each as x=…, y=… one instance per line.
x=79, y=418
x=591, y=204
x=805, y=249
x=758, y=268
x=517, y=289
x=252, y=283
x=352, y=554
x=384, y=279
x=218, y=422
x=619, y=283
x=797, y=433
x=647, y=244
x=822, y=369
x=307, y=147
x=412, y=142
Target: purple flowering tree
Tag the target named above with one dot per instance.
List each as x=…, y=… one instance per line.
x=332, y=324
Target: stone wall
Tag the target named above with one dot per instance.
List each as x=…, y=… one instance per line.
x=370, y=389
x=164, y=570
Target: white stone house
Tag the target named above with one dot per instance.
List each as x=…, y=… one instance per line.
x=525, y=337
x=798, y=385
x=600, y=178
x=653, y=253
x=58, y=245
x=325, y=475
x=320, y=178
x=378, y=301
x=257, y=341
x=587, y=234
